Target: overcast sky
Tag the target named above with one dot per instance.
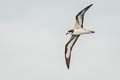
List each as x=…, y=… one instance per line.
x=32, y=40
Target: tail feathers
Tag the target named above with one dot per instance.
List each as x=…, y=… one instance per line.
x=92, y=31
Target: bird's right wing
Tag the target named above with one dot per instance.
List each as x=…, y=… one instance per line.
x=68, y=48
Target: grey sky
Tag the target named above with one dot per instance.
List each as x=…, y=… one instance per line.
x=32, y=40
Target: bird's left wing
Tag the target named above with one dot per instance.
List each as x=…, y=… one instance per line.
x=68, y=49
x=80, y=17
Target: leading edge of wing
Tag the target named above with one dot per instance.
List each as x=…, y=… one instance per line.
x=68, y=49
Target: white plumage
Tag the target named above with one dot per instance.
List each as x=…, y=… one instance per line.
x=76, y=32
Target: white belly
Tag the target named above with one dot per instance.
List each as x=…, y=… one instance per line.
x=80, y=31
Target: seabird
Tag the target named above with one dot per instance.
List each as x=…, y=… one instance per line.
x=75, y=33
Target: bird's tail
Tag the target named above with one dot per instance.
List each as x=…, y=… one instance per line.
x=92, y=31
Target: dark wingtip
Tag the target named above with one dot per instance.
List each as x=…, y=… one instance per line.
x=68, y=62
x=89, y=6
x=68, y=66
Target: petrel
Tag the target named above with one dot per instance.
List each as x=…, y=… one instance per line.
x=75, y=33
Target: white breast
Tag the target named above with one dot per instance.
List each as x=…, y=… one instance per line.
x=80, y=31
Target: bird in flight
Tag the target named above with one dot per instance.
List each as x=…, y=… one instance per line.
x=75, y=33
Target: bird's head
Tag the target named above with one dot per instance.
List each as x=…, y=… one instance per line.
x=70, y=32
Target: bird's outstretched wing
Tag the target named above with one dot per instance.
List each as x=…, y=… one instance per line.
x=68, y=48
x=80, y=17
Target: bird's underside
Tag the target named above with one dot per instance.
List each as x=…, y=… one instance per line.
x=75, y=34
